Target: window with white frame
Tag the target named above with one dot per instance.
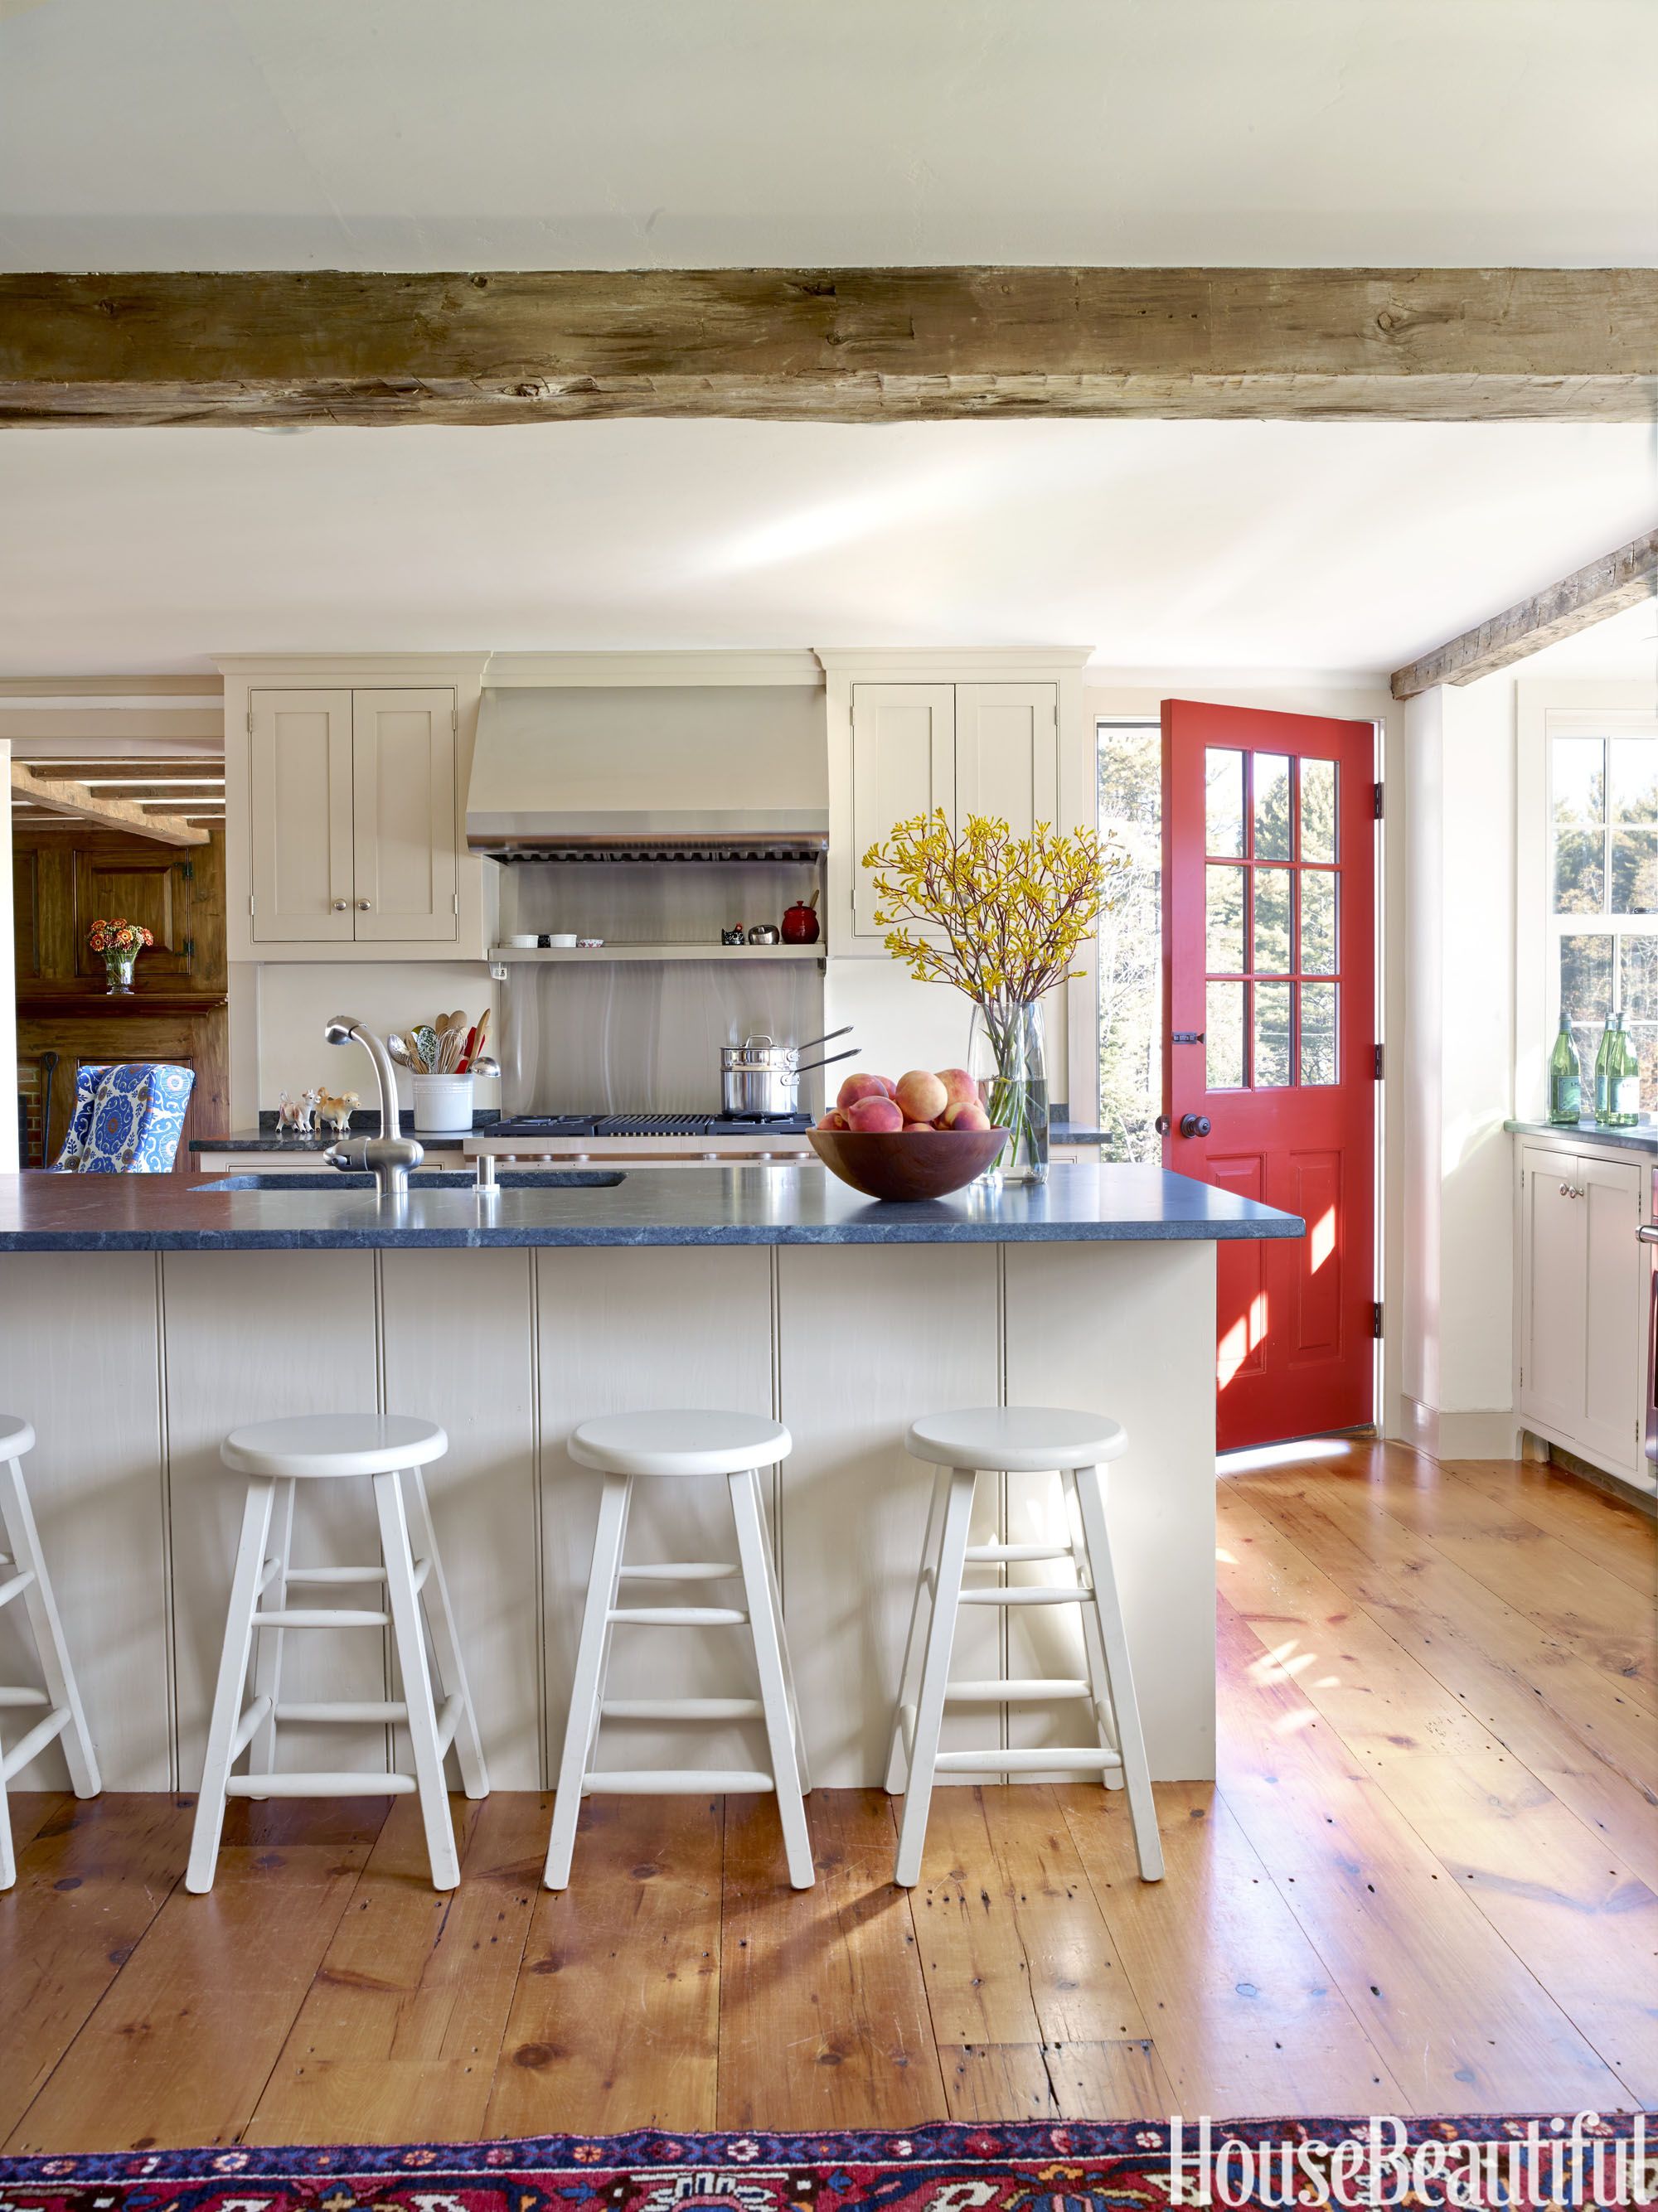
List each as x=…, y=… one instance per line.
x=1130, y=792
x=1603, y=882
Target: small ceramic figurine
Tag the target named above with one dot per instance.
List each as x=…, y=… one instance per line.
x=289, y=1123
x=733, y=936
x=335, y=1112
x=309, y=1102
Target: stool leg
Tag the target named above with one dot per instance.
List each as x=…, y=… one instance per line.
x=23, y=1542
x=1108, y=1606
x=752, y=1551
x=588, y=1688
x=773, y=1584
x=233, y=1681
x=404, y=1603
x=897, y=1764
x=935, y=1672
x=267, y=1641
x=446, y=1646
x=1093, y=1652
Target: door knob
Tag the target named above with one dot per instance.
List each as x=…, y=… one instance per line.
x=1194, y=1125
x=363, y=906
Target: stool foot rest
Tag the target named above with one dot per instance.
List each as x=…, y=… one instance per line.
x=1057, y=1758
x=684, y=1570
x=675, y=1782
x=680, y=1616
x=14, y=1585
x=980, y=1555
x=23, y=1700
x=319, y=1785
x=1036, y=1692
x=43, y=1732
x=1030, y=1594
x=683, y=1709
x=321, y=1617
x=344, y=1710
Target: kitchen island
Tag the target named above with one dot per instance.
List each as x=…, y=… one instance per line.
x=142, y=1317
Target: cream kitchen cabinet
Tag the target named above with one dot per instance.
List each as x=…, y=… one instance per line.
x=1582, y=1302
x=964, y=748
x=351, y=816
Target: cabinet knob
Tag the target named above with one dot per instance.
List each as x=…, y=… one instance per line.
x=342, y=906
x=363, y=906
x=1566, y=1190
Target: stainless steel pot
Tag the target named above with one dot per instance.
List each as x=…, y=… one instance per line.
x=760, y=1076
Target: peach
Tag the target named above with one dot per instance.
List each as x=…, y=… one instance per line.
x=834, y=1119
x=969, y=1117
x=959, y=1089
x=861, y=1086
x=873, y=1116
x=918, y=1125
x=921, y=1095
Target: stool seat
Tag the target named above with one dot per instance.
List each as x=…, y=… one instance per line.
x=1017, y=1439
x=16, y=1435
x=334, y=1444
x=679, y=1443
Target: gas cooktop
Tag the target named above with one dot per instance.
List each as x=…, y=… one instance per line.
x=649, y=1125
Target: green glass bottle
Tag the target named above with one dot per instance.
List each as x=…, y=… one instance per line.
x=1623, y=1082
x=1602, y=1093
x=1565, y=1078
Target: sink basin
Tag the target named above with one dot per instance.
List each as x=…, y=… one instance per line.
x=426, y=1179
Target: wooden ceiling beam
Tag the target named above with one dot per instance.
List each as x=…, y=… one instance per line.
x=1589, y=595
x=74, y=798
x=836, y=345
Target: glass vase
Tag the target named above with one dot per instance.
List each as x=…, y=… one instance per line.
x=118, y=971
x=1008, y=1059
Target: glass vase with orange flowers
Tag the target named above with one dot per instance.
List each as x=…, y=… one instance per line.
x=1001, y=918
x=120, y=942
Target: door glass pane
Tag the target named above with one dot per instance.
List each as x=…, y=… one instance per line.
x=1272, y=922
x=1223, y=801
x=1224, y=1038
x=1317, y=923
x=1633, y=771
x=1318, y=1033
x=1585, y=990
x=1580, y=871
x=1131, y=943
x=1318, y=809
x=1272, y=825
x=1271, y=1036
x=1634, y=872
x=1224, y=889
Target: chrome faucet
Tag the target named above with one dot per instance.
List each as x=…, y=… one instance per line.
x=388, y=1157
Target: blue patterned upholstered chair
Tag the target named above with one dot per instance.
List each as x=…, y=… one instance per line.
x=128, y=1118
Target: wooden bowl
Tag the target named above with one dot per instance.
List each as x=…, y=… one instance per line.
x=907, y=1164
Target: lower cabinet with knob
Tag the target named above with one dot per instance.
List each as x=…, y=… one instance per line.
x=1583, y=1301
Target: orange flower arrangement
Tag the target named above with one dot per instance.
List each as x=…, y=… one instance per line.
x=118, y=936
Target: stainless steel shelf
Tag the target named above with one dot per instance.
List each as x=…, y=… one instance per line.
x=660, y=952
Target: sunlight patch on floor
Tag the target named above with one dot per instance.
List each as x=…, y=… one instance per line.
x=1262, y=1455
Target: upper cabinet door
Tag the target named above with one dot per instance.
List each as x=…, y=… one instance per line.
x=1007, y=753
x=902, y=764
x=403, y=781
x=300, y=787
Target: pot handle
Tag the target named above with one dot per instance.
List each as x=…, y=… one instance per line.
x=833, y=1034
x=851, y=1053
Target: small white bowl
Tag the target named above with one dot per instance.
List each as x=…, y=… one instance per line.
x=524, y=944
x=590, y=944
x=564, y=942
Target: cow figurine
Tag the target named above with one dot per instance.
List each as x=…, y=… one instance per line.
x=334, y=1111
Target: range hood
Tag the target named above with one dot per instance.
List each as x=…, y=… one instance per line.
x=651, y=774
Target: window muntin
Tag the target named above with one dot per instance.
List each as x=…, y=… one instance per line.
x=1603, y=887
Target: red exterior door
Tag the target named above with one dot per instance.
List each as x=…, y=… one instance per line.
x=1269, y=1058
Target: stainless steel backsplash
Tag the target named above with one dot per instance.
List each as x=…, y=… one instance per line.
x=640, y=1036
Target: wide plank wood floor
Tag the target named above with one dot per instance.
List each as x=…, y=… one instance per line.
x=1426, y=1880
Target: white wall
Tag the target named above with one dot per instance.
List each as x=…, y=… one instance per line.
x=278, y=1010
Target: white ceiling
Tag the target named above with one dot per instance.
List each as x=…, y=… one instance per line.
x=560, y=133
x=406, y=134
x=1329, y=546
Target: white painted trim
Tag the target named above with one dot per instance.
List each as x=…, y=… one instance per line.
x=1484, y=1433
x=642, y=670
x=1037, y=664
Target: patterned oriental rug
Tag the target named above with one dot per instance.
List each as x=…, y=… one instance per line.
x=1032, y=2166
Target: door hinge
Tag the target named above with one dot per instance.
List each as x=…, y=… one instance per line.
x=454, y=721
x=1377, y=1064
x=188, y=948
x=1375, y=1318
x=1378, y=802
x=187, y=870
x=250, y=902
x=250, y=721
x=455, y=901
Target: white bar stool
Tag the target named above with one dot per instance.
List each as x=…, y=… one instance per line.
x=624, y=1446
x=1018, y=1440
x=274, y=1455
x=23, y=1574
